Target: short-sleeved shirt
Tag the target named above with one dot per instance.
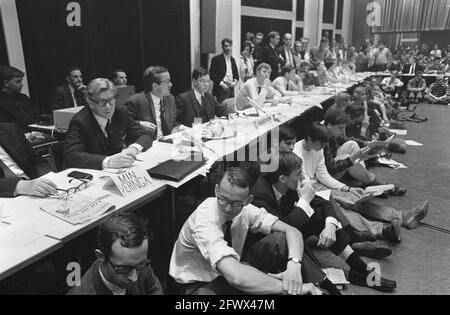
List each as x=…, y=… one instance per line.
x=201, y=244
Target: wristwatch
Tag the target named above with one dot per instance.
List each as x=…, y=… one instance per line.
x=295, y=260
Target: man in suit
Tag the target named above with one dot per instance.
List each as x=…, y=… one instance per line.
x=155, y=108
x=70, y=94
x=198, y=102
x=99, y=133
x=285, y=193
x=257, y=52
x=271, y=56
x=15, y=107
x=120, y=77
x=224, y=72
x=20, y=166
x=286, y=51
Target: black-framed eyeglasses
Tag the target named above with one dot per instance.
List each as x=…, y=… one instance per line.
x=168, y=81
x=234, y=204
x=73, y=190
x=123, y=270
x=102, y=103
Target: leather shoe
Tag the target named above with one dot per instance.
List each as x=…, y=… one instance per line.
x=393, y=232
x=397, y=191
x=373, y=252
x=361, y=279
x=415, y=216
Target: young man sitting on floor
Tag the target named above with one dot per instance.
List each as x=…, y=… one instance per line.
x=311, y=152
x=285, y=192
x=363, y=230
x=438, y=92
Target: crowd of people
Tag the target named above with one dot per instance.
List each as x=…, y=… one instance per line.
x=251, y=236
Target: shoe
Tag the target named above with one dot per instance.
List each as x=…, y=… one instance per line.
x=397, y=191
x=373, y=252
x=360, y=237
x=362, y=279
x=393, y=232
x=415, y=216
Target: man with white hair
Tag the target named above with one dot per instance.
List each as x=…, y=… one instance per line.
x=99, y=133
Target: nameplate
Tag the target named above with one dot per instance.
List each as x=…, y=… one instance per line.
x=130, y=182
x=263, y=121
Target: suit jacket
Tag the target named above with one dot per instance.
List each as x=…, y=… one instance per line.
x=141, y=108
x=19, y=149
x=17, y=108
x=218, y=70
x=62, y=98
x=284, y=56
x=407, y=68
x=189, y=108
x=264, y=197
x=86, y=146
x=271, y=56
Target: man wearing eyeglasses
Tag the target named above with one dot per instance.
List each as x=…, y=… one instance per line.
x=122, y=266
x=155, y=108
x=224, y=232
x=99, y=134
x=198, y=102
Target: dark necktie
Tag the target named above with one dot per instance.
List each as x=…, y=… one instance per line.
x=7, y=171
x=259, y=90
x=204, y=112
x=228, y=233
x=110, y=139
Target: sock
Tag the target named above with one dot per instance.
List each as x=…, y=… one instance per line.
x=331, y=288
x=356, y=263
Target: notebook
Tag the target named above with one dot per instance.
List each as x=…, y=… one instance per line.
x=175, y=170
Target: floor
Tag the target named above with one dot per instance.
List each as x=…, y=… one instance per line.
x=421, y=263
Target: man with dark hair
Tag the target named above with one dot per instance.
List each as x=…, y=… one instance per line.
x=15, y=107
x=257, y=51
x=311, y=152
x=345, y=157
x=70, y=94
x=271, y=56
x=225, y=231
x=288, y=83
x=436, y=67
x=286, y=194
x=382, y=57
x=98, y=134
x=155, y=108
x=417, y=87
x=20, y=166
x=439, y=92
x=321, y=54
x=122, y=266
x=224, y=72
x=259, y=89
x=120, y=77
x=198, y=102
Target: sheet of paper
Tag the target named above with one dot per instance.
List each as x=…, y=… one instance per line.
x=413, y=143
x=399, y=132
x=336, y=276
x=326, y=194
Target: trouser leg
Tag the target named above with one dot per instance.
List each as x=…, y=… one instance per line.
x=374, y=210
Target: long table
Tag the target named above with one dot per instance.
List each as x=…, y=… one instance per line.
x=32, y=234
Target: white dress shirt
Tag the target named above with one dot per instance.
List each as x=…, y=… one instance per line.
x=72, y=92
x=201, y=244
x=305, y=206
x=314, y=167
x=157, y=103
x=229, y=74
x=251, y=88
x=11, y=164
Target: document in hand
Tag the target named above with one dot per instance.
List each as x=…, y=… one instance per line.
x=78, y=209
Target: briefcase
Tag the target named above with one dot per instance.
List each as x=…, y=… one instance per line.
x=175, y=170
